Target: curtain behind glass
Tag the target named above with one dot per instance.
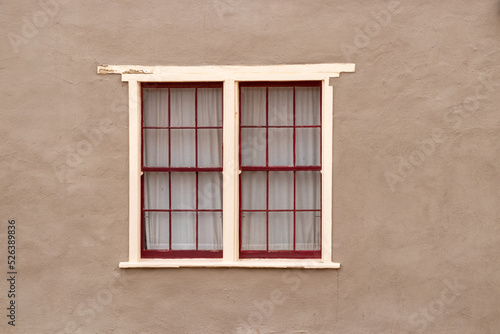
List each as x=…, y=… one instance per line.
x=183, y=154
x=280, y=185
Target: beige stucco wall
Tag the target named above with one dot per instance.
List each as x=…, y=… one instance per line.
x=416, y=173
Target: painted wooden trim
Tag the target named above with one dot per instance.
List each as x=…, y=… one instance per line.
x=202, y=263
x=230, y=75
x=228, y=69
x=327, y=171
x=218, y=77
x=134, y=171
x=230, y=174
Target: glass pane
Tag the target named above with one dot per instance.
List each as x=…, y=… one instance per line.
x=183, y=191
x=210, y=191
x=253, y=106
x=280, y=147
x=183, y=148
x=182, y=106
x=253, y=190
x=183, y=230
x=156, y=230
x=156, y=191
x=281, y=106
x=308, y=147
x=280, y=190
x=307, y=230
x=155, y=148
x=307, y=106
x=210, y=230
x=210, y=148
x=308, y=190
x=209, y=107
x=280, y=230
x=253, y=231
x=155, y=107
x=253, y=147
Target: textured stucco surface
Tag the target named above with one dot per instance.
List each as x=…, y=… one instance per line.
x=397, y=245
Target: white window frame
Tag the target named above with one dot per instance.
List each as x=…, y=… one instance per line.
x=230, y=76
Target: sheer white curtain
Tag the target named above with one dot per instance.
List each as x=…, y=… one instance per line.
x=177, y=191
x=263, y=191
x=156, y=143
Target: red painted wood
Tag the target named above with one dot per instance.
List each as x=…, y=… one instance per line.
x=312, y=210
x=196, y=156
x=180, y=254
x=182, y=169
x=169, y=176
x=240, y=215
x=143, y=218
x=279, y=126
x=281, y=84
x=294, y=175
x=280, y=254
x=279, y=168
x=267, y=165
x=181, y=127
x=267, y=168
x=170, y=253
x=182, y=84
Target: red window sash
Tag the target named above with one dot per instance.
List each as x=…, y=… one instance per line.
x=170, y=253
x=296, y=254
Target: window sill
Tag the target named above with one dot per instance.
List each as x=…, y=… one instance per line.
x=211, y=263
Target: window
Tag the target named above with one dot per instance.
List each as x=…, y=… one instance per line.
x=230, y=166
x=280, y=163
x=182, y=170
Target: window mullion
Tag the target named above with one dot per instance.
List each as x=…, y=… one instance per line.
x=326, y=170
x=230, y=219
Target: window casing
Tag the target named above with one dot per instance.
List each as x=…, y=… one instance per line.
x=231, y=78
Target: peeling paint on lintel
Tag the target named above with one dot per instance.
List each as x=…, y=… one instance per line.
x=331, y=70
x=120, y=69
